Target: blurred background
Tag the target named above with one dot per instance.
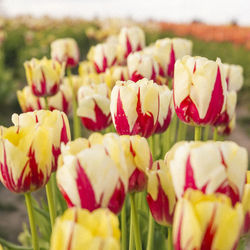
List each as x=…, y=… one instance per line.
x=27, y=27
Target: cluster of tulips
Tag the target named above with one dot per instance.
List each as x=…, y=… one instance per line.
x=198, y=190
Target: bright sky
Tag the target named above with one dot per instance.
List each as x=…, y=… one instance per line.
x=212, y=11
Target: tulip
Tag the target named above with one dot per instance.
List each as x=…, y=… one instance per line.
x=211, y=167
x=76, y=81
x=246, y=205
x=166, y=51
x=199, y=90
x=119, y=73
x=92, y=173
x=44, y=76
x=206, y=222
x=166, y=109
x=86, y=67
x=79, y=229
x=161, y=195
x=65, y=50
x=25, y=157
x=227, y=128
x=56, y=121
x=234, y=76
x=132, y=109
x=138, y=159
x=142, y=66
x=29, y=102
x=131, y=39
x=103, y=56
x=94, y=106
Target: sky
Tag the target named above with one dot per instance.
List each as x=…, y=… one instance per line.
x=212, y=11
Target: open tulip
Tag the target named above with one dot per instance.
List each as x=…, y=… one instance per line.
x=161, y=196
x=206, y=222
x=92, y=173
x=246, y=205
x=94, y=106
x=79, y=229
x=132, y=109
x=142, y=66
x=234, y=76
x=56, y=121
x=138, y=159
x=211, y=167
x=199, y=90
x=44, y=76
x=66, y=51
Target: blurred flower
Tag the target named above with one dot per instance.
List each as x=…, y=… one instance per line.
x=92, y=173
x=234, y=76
x=206, y=222
x=166, y=51
x=119, y=73
x=86, y=67
x=131, y=39
x=246, y=204
x=142, y=66
x=166, y=109
x=44, y=76
x=65, y=50
x=138, y=159
x=94, y=106
x=161, y=195
x=29, y=102
x=224, y=171
x=103, y=56
x=25, y=158
x=79, y=229
x=56, y=121
x=132, y=109
x=199, y=90
x=77, y=82
x=227, y=128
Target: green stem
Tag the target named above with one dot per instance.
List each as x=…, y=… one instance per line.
x=49, y=193
x=197, y=133
x=76, y=121
x=151, y=145
x=151, y=229
x=170, y=243
x=12, y=246
x=241, y=244
x=33, y=230
x=215, y=134
x=124, y=227
x=136, y=231
x=131, y=238
x=206, y=133
x=46, y=103
x=173, y=127
x=181, y=131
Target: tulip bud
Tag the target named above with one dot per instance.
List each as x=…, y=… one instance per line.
x=103, y=55
x=25, y=157
x=166, y=109
x=246, y=205
x=224, y=171
x=65, y=50
x=56, y=121
x=161, y=196
x=199, y=90
x=166, y=51
x=206, y=222
x=29, y=102
x=132, y=109
x=92, y=173
x=234, y=76
x=142, y=66
x=138, y=159
x=79, y=229
x=44, y=76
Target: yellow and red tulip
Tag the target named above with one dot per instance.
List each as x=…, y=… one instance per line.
x=246, y=205
x=79, y=229
x=44, y=76
x=132, y=109
x=119, y=73
x=199, y=90
x=86, y=67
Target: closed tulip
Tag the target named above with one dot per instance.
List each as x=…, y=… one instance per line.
x=211, y=167
x=161, y=196
x=56, y=121
x=246, y=205
x=138, y=159
x=206, y=222
x=92, y=173
x=79, y=229
x=94, y=106
x=44, y=76
x=135, y=107
x=199, y=90
x=66, y=51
